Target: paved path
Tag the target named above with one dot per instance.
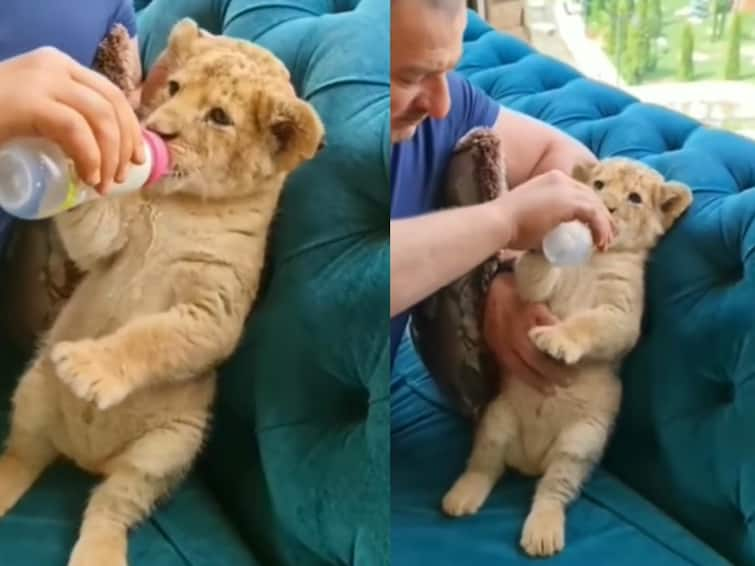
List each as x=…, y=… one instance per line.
x=589, y=57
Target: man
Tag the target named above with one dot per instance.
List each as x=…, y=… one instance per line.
x=431, y=109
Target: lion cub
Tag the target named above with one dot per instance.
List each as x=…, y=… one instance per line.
x=124, y=380
x=599, y=305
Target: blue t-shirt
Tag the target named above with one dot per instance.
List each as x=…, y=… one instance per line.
x=419, y=163
x=75, y=27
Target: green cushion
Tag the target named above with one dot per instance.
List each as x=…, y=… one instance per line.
x=189, y=529
x=299, y=454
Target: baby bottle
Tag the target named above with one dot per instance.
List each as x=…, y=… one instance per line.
x=38, y=180
x=568, y=244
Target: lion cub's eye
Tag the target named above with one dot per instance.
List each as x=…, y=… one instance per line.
x=173, y=87
x=598, y=185
x=635, y=198
x=219, y=116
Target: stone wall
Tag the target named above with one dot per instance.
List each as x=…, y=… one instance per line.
x=508, y=16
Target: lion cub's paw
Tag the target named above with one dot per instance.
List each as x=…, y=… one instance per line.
x=543, y=532
x=99, y=551
x=556, y=343
x=87, y=370
x=467, y=495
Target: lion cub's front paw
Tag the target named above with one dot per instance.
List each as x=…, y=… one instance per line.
x=467, y=495
x=556, y=343
x=543, y=532
x=88, y=371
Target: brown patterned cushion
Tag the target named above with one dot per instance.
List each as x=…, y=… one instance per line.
x=447, y=326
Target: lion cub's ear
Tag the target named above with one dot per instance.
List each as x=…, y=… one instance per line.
x=583, y=171
x=182, y=40
x=673, y=200
x=297, y=131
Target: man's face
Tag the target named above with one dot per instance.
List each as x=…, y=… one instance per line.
x=426, y=43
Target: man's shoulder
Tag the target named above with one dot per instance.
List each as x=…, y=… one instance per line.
x=471, y=107
x=123, y=13
x=418, y=163
x=458, y=84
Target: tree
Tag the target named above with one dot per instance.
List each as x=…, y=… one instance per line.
x=719, y=8
x=595, y=8
x=731, y=71
x=595, y=16
x=633, y=65
x=643, y=39
x=613, y=27
x=656, y=19
x=621, y=21
x=686, y=67
x=655, y=27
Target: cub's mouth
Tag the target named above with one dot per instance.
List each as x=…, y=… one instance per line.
x=177, y=152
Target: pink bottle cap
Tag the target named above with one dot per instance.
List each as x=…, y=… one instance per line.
x=160, y=156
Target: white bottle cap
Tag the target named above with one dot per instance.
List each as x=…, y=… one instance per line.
x=568, y=244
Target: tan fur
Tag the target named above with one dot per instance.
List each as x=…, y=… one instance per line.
x=599, y=306
x=124, y=381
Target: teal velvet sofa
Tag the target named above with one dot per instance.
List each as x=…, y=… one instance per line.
x=678, y=484
x=296, y=469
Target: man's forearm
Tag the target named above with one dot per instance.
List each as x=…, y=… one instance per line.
x=432, y=250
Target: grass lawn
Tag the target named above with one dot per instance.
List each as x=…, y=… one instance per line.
x=710, y=56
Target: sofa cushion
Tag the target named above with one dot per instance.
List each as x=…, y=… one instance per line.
x=300, y=449
x=684, y=436
x=608, y=524
x=189, y=529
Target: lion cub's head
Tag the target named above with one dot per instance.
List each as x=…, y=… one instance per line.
x=232, y=120
x=643, y=206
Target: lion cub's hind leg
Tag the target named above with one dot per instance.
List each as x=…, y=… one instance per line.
x=135, y=481
x=486, y=464
x=576, y=452
x=28, y=450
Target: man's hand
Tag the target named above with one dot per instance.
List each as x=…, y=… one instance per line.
x=46, y=93
x=507, y=321
x=431, y=250
x=540, y=204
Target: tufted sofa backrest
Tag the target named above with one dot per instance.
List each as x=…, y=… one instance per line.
x=685, y=435
x=299, y=454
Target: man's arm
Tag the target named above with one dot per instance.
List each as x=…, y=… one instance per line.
x=545, y=149
x=429, y=251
